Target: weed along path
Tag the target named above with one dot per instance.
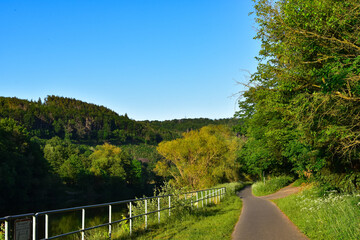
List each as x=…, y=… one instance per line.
x=261, y=219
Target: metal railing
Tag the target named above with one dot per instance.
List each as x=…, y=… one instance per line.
x=205, y=196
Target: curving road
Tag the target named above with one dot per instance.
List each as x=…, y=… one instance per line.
x=261, y=219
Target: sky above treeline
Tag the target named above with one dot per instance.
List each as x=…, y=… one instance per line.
x=151, y=59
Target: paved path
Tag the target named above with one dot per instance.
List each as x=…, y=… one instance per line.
x=261, y=219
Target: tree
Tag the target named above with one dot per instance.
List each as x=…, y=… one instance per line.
x=308, y=77
x=201, y=158
x=110, y=161
x=23, y=170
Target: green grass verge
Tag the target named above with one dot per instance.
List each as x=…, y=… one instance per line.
x=270, y=186
x=323, y=216
x=215, y=221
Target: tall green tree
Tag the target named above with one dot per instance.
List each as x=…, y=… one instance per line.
x=201, y=158
x=309, y=78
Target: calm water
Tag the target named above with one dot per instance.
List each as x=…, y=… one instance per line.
x=71, y=221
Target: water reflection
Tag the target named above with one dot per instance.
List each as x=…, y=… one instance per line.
x=60, y=223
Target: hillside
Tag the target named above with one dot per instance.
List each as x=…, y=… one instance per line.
x=75, y=120
x=88, y=123
x=62, y=145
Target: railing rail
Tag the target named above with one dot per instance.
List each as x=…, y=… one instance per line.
x=207, y=195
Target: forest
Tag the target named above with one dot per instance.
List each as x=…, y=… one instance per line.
x=301, y=109
x=63, y=152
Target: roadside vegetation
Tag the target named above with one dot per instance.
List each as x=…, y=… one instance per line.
x=322, y=214
x=214, y=221
x=270, y=186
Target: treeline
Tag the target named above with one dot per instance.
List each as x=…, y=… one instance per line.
x=75, y=120
x=88, y=123
x=301, y=109
x=171, y=129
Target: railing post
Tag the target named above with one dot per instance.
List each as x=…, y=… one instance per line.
x=110, y=221
x=34, y=227
x=191, y=201
x=158, y=210
x=46, y=226
x=145, y=214
x=83, y=224
x=169, y=205
x=202, y=198
x=206, y=197
x=197, y=199
x=130, y=216
x=6, y=230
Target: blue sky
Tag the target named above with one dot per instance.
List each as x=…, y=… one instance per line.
x=151, y=59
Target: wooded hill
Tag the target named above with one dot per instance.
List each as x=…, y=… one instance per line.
x=88, y=123
x=61, y=150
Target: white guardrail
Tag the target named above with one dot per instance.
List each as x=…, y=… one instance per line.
x=28, y=222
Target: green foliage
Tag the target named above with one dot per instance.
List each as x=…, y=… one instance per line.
x=68, y=161
x=83, y=122
x=171, y=129
x=231, y=188
x=23, y=170
x=201, y=158
x=323, y=215
x=214, y=221
x=69, y=145
x=270, y=186
x=300, y=112
x=110, y=161
x=2, y=231
x=75, y=120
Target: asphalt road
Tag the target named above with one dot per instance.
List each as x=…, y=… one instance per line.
x=261, y=219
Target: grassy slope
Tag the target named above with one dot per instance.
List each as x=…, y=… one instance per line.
x=319, y=216
x=214, y=222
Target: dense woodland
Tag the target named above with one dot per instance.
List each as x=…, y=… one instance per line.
x=301, y=111
x=63, y=151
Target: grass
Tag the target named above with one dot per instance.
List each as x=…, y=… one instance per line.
x=270, y=186
x=214, y=222
x=323, y=215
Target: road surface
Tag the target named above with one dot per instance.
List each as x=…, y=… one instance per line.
x=261, y=219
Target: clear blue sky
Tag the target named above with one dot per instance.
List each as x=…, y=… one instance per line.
x=151, y=59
